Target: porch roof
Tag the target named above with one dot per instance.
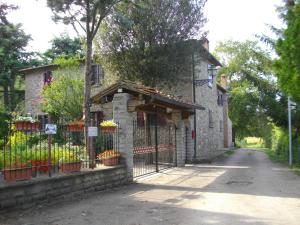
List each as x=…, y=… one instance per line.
x=155, y=96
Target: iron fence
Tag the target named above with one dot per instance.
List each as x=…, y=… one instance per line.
x=154, y=147
x=28, y=151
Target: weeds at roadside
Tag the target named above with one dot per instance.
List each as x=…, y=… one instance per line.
x=274, y=158
x=229, y=152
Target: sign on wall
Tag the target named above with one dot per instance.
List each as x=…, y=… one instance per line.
x=92, y=131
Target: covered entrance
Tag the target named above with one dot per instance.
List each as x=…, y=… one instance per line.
x=152, y=125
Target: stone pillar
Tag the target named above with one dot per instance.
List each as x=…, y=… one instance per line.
x=180, y=138
x=180, y=144
x=125, y=121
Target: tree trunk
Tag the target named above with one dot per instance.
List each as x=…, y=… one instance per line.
x=87, y=92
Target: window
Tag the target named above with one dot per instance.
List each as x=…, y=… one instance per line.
x=210, y=74
x=221, y=126
x=210, y=119
x=48, y=77
x=220, y=99
x=97, y=74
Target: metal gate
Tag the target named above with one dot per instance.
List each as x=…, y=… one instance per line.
x=154, y=147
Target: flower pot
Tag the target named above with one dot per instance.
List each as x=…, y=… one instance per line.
x=112, y=161
x=40, y=166
x=17, y=174
x=27, y=125
x=70, y=167
x=108, y=129
x=75, y=126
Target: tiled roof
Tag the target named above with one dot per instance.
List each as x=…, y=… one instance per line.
x=145, y=90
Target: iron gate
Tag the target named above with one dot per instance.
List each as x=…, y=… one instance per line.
x=154, y=147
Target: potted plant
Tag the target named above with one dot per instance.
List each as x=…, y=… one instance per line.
x=17, y=170
x=26, y=123
x=70, y=163
x=108, y=126
x=109, y=157
x=40, y=165
x=75, y=126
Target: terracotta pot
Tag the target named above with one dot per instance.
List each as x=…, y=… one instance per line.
x=70, y=167
x=40, y=166
x=26, y=125
x=112, y=161
x=75, y=126
x=108, y=129
x=17, y=174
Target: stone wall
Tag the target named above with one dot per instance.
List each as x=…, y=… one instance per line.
x=26, y=194
x=34, y=83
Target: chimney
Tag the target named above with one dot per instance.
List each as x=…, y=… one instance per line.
x=224, y=81
x=205, y=43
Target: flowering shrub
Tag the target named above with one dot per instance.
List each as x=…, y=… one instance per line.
x=25, y=119
x=108, y=154
x=108, y=123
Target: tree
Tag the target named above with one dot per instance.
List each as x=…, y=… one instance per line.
x=288, y=49
x=63, y=98
x=255, y=99
x=88, y=15
x=12, y=55
x=144, y=42
x=64, y=46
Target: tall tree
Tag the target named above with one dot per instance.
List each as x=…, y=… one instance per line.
x=64, y=46
x=255, y=100
x=288, y=49
x=12, y=54
x=142, y=42
x=88, y=15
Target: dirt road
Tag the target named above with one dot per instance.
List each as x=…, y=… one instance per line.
x=244, y=188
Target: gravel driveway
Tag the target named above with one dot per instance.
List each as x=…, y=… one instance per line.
x=244, y=188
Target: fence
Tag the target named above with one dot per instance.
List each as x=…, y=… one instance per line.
x=28, y=151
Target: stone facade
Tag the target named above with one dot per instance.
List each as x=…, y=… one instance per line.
x=124, y=119
x=34, y=84
x=213, y=127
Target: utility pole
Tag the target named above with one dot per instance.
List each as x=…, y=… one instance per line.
x=290, y=132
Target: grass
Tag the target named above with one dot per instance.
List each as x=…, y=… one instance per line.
x=229, y=152
x=275, y=158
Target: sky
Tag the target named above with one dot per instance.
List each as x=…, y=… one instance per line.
x=227, y=19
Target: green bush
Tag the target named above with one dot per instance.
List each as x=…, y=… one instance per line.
x=59, y=154
x=4, y=125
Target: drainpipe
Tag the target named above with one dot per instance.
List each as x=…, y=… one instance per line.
x=195, y=116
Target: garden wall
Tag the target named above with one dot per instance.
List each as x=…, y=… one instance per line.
x=25, y=194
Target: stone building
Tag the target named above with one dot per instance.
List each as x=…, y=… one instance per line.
x=209, y=130
x=37, y=78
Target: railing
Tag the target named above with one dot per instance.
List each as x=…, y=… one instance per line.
x=154, y=147
x=28, y=151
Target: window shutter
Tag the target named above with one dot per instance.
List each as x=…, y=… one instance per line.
x=97, y=74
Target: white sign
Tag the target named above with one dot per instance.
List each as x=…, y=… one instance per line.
x=92, y=131
x=50, y=129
